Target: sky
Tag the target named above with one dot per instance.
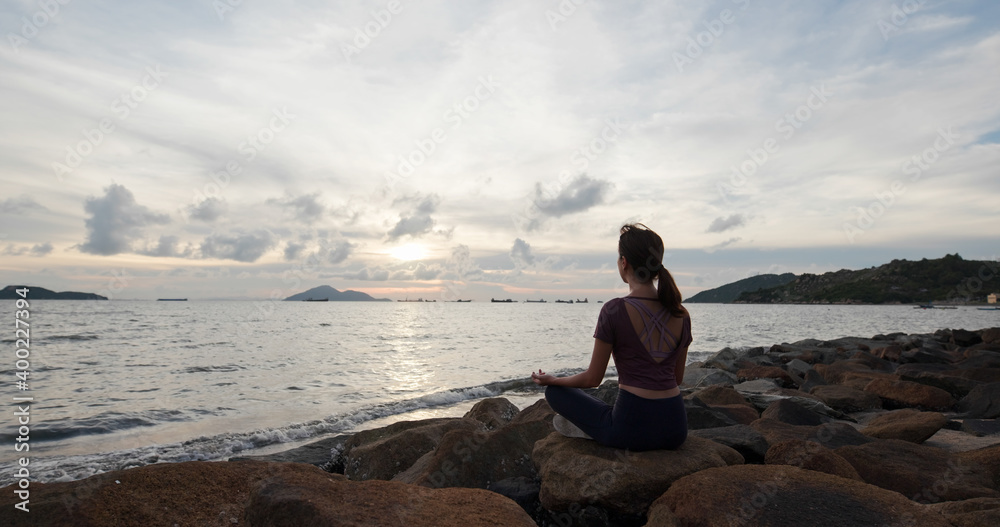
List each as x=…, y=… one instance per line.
x=236, y=149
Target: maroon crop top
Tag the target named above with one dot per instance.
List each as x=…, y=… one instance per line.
x=635, y=354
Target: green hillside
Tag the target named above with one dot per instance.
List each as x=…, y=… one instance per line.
x=950, y=279
x=729, y=292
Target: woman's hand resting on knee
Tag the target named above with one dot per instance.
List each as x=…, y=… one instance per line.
x=541, y=378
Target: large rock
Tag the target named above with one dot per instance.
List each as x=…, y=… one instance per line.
x=836, y=372
x=255, y=493
x=326, y=454
x=987, y=458
x=792, y=413
x=479, y=458
x=579, y=472
x=845, y=398
x=919, y=472
x=907, y=424
x=977, y=512
x=720, y=395
x=780, y=496
x=965, y=338
x=896, y=394
x=304, y=498
x=990, y=335
x=393, y=451
x=741, y=413
x=700, y=415
x=698, y=377
x=983, y=402
x=830, y=435
x=951, y=381
x=494, y=412
x=810, y=456
x=741, y=438
x=768, y=372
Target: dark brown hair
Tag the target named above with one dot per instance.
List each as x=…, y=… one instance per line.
x=643, y=250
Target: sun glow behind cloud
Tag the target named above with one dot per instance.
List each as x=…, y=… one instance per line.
x=409, y=252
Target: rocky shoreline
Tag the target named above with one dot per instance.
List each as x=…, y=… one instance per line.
x=895, y=430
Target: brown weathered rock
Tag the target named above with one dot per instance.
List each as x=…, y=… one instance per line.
x=494, y=412
x=845, y=398
x=834, y=373
x=906, y=424
x=983, y=402
x=304, y=498
x=477, y=458
x=965, y=338
x=720, y=395
x=781, y=495
x=792, y=413
x=810, y=455
x=830, y=435
x=767, y=372
x=990, y=335
x=987, y=458
x=579, y=472
x=741, y=413
x=910, y=394
x=977, y=512
x=392, y=453
x=954, y=382
x=889, y=353
x=919, y=472
x=741, y=438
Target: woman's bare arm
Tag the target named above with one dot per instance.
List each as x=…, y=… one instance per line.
x=588, y=379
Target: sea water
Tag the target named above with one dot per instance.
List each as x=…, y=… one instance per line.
x=126, y=383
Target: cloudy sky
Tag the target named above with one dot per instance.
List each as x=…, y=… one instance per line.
x=238, y=149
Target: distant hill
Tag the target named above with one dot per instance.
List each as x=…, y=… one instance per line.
x=331, y=294
x=729, y=292
x=40, y=293
x=948, y=279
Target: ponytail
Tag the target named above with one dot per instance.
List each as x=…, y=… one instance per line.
x=668, y=293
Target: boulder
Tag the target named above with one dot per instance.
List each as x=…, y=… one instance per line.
x=990, y=336
x=977, y=512
x=494, y=412
x=907, y=425
x=700, y=415
x=781, y=495
x=787, y=411
x=983, y=402
x=579, y=472
x=987, y=458
x=834, y=373
x=897, y=394
x=981, y=427
x=607, y=392
x=831, y=435
x=768, y=372
x=326, y=454
x=965, y=338
x=301, y=498
x=811, y=380
x=250, y=493
x=741, y=438
x=951, y=381
x=919, y=472
x=390, y=453
x=697, y=377
x=741, y=413
x=476, y=458
x=798, y=367
x=810, y=456
x=720, y=395
x=889, y=353
x=756, y=386
x=926, y=356
x=845, y=398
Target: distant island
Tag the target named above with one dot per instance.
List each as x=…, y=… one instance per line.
x=950, y=279
x=730, y=292
x=40, y=293
x=327, y=293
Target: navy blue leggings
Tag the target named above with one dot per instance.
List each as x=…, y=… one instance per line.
x=634, y=422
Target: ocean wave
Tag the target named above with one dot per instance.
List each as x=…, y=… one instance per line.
x=103, y=423
x=78, y=336
x=211, y=369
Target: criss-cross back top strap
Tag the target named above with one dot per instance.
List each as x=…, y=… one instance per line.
x=652, y=323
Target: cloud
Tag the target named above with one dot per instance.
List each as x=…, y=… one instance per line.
x=166, y=247
x=19, y=205
x=374, y=275
x=578, y=195
x=116, y=220
x=208, y=210
x=293, y=250
x=520, y=252
x=338, y=252
x=722, y=224
x=242, y=247
x=37, y=250
x=305, y=208
x=418, y=221
x=722, y=245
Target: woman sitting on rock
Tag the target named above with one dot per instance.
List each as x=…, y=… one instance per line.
x=648, y=332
